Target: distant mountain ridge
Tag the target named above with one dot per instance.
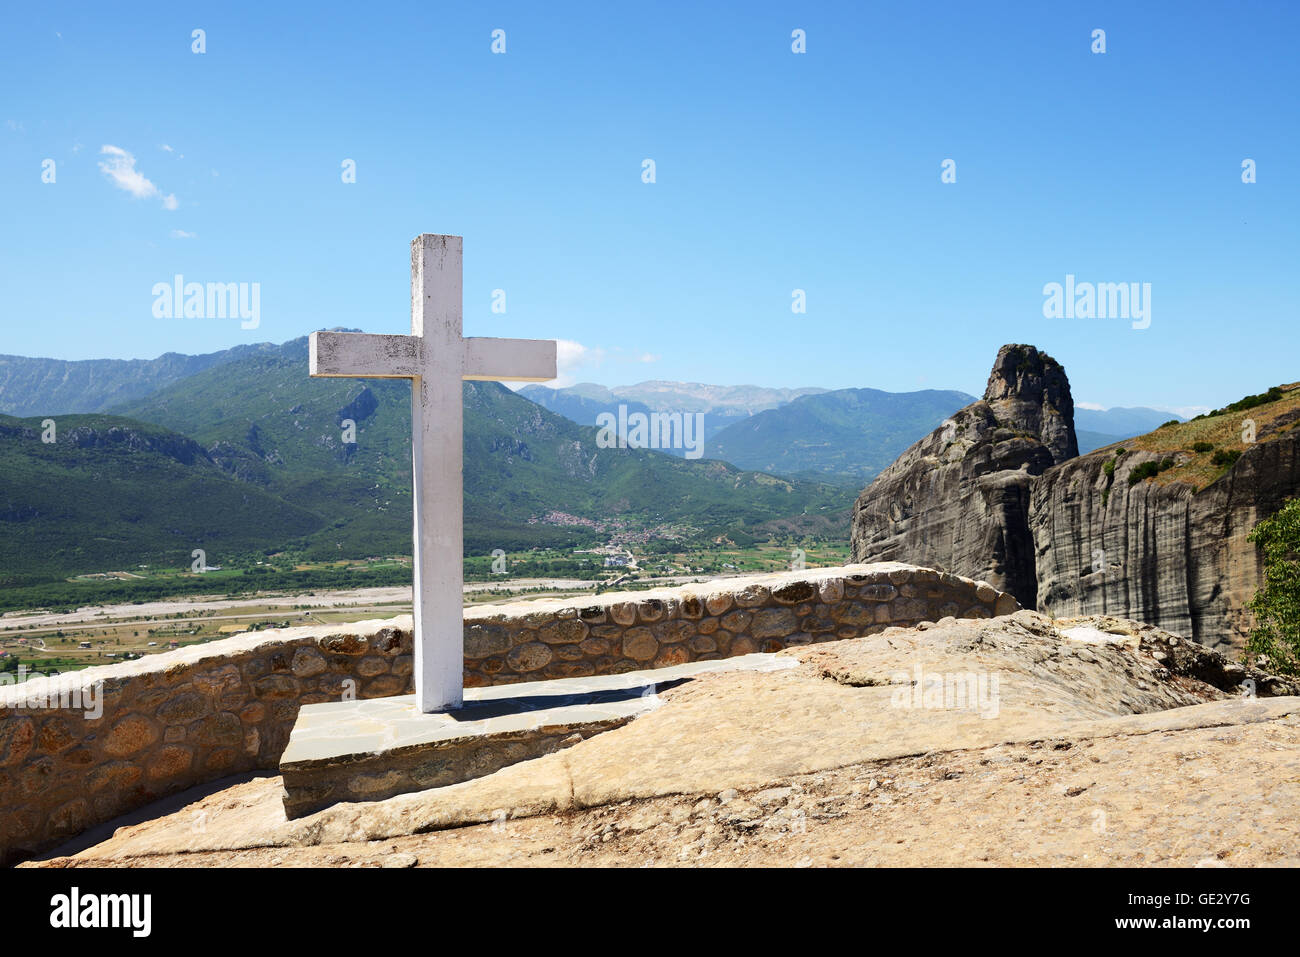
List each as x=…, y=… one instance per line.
x=721, y=405
x=33, y=386
x=846, y=435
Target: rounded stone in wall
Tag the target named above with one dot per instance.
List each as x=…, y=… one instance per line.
x=640, y=644
x=385, y=686
x=71, y=818
x=594, y=646
x=773, y=623
x=529, y=657
x=371, y=665
x=36, y=776
x=16, y=739
x=792, y=593
x=572, y=669
x=853, y=613
x=220, y=729
x=569, y=653
x=131, y=735
x=220, y=759
x=707, y=626
x=692, y=607
x=623, y=613
x=114, y=774
x=877, y=592
x=566, y=632
x=742, y=646
x=80, y=757
x=345, y=644
x=752, y=596
x=170, y=761
x=182, y=709
x=253, y=713
x=737, y=621
x=669, y=632
x=54, y=736
x=702, y=644
x=831, y=590
x=276, y=686
x=718, y=604
x=650, y=610
x=387, y=641
x=670, y=655
x=483, y=641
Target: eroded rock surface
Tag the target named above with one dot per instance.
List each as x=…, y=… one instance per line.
x=1105, y=742
x=959, y=499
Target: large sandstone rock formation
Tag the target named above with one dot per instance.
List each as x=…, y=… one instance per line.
x=999, y=493
x=1166, y=554
x=959, y=498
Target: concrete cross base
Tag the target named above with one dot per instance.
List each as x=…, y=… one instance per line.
x=373, y=749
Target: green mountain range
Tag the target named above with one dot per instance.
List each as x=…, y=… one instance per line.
x=845, y=436
x=250, y=455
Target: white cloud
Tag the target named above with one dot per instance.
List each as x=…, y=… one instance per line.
x=1091, y=406
x=648, y=357
x=570, y=357
x=167, y=148
x=182, y=234
x=119, y=167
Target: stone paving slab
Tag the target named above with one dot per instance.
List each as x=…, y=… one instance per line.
x=368, y=750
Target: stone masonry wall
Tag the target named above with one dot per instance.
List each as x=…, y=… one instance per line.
x=180, y=718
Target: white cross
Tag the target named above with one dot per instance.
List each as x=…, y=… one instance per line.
x=435, y=358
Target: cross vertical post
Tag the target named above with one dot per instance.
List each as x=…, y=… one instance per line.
x=438, y=488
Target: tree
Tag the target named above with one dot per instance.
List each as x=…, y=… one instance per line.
x=1277, y=603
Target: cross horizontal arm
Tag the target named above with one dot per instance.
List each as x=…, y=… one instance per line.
x=510, y=360
x=361, y=354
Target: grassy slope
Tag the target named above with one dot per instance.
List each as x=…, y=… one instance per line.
x=269, y=421
x=140, y=495
x=1222, y=430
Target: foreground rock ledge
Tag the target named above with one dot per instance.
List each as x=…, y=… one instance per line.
x=178, y=719
x=1108, y=743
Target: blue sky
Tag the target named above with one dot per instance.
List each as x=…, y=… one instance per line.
x=775, y=171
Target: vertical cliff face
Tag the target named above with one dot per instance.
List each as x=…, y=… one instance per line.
x=960, y=497
x=1166, y=554
x=1101, y=543
x=999, y=492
